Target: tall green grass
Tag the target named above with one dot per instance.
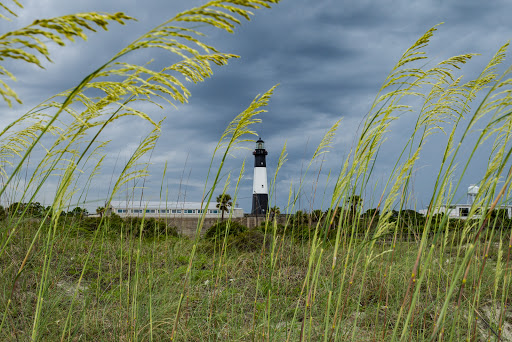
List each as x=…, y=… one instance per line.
x=340, y=276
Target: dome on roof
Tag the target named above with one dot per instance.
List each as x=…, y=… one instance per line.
x=473, y=189
x=472, y=193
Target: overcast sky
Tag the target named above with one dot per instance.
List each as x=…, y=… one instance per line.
x=329, y=56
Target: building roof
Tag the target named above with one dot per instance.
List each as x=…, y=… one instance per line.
x=161, y=205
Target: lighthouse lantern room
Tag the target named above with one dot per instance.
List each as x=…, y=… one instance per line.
x=259, y=187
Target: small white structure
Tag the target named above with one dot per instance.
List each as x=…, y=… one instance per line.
x=472, y=192
x=461, y=211
x=168, y=209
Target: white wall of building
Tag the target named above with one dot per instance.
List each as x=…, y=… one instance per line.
x=168, y=209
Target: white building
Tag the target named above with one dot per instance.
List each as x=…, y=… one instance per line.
x=461, y=211
x=169, y=209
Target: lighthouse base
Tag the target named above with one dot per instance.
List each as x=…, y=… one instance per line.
x=259, y=204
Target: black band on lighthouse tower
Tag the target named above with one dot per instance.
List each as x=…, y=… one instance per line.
x=259, y=187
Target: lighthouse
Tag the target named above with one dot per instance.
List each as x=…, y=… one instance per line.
x=259, y=186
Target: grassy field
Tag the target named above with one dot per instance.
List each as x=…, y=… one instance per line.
x=116, y=286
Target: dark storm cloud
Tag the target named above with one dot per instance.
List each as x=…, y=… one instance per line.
x=330, y=58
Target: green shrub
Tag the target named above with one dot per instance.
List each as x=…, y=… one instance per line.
x=499, y=219
x=151, y=227
x=220, y=229
x=250, y=241
x=89, y=224
x=300, y=218
x=3, y=214
x=456, y=224
x=270, y=229
x=301, y=232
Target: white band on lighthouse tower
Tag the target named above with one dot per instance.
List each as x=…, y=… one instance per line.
x=259, y=185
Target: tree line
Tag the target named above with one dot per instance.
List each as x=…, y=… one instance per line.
x=37, y=210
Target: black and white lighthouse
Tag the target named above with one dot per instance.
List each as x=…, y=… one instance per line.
x=259, y=186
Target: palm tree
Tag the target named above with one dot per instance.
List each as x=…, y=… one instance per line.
x=80, y=212
x=224, y=203
x=274, y=211
x=100, y=211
